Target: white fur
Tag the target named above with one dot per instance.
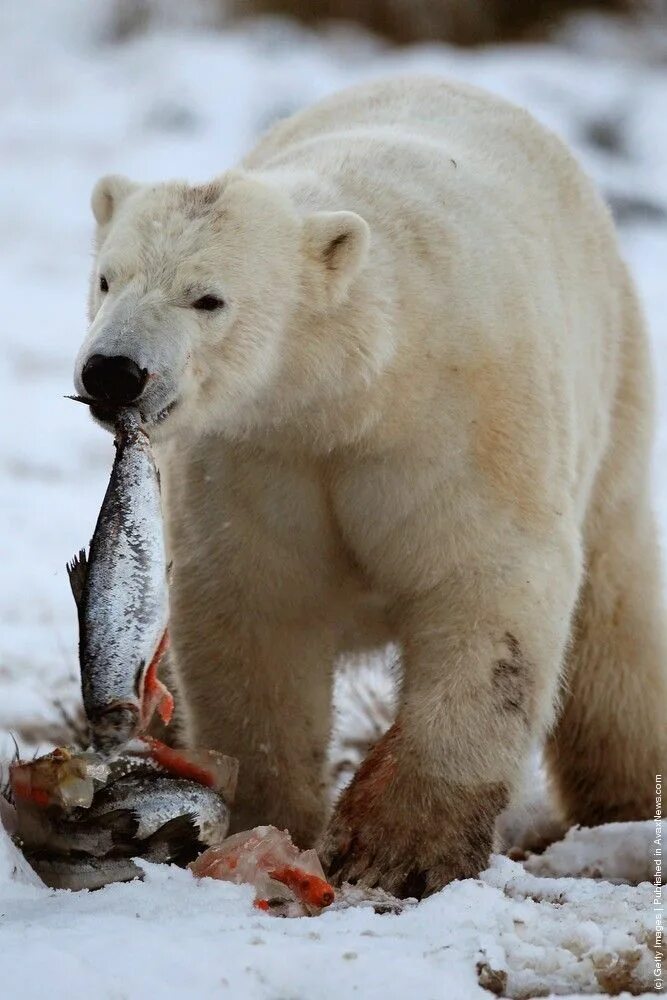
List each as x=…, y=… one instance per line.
x=424, y=413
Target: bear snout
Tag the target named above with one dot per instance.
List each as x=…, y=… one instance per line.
x=114, y=379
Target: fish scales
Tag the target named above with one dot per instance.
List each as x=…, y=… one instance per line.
x=85, y=873
x=157, y=800
x=157, y=817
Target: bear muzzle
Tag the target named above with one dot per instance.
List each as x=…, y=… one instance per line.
x=115, y=380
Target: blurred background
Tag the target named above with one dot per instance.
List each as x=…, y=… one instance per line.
x=159, y=89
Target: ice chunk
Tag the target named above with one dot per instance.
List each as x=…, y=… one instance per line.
x=266, y=858
x=206, y=767
x=61, y=778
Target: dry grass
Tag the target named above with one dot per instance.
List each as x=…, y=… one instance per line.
x=461, y=22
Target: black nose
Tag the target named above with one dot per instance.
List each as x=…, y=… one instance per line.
x=117, y=380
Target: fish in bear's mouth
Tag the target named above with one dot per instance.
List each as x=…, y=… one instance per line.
x=107, y=414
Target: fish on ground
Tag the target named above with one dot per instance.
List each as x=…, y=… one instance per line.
x=86, y=872
x=77, y=814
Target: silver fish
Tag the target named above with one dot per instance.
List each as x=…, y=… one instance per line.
x=84, y=873
x=53, y=795
x=161, y=819
x=174, y=816
x=49, y=833
x=68, y=779
x=121, y=594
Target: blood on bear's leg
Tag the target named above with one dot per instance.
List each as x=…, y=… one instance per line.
x=404, y=833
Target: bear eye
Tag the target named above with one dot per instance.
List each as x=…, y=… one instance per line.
x=208, y=303
x=104, y=284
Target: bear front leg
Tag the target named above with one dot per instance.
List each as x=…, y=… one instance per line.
x=262, y=691
x=482, y=654
x=255, y=625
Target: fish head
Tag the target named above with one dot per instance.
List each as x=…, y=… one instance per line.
x=192, y=292
x=114, y=726
x=115, y=721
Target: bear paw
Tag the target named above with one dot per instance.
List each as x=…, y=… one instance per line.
x=393, y=829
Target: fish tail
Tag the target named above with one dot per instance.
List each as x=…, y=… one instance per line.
x=77, y=571
x=176, y=841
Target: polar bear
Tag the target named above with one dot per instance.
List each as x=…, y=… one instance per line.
x=399, y=388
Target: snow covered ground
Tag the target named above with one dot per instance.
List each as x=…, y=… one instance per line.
x=188, y=104
x=518, y=934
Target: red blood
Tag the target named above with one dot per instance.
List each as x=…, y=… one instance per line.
x=178, y=764
x=165, y=707
x=308, y=888
x=24, y=790
x=261, y=904
x=155, y=693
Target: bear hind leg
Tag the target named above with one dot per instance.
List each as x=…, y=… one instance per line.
x=610, y=740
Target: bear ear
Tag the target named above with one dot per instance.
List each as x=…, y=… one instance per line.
x=337, y=244
x=107, y=195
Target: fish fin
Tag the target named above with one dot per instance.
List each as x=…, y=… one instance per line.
x=77, y=570
x=88, y=400
x=156, y=696
x=177, y=840
x=122, y=825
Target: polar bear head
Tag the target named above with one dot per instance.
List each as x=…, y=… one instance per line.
x=199, y=293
